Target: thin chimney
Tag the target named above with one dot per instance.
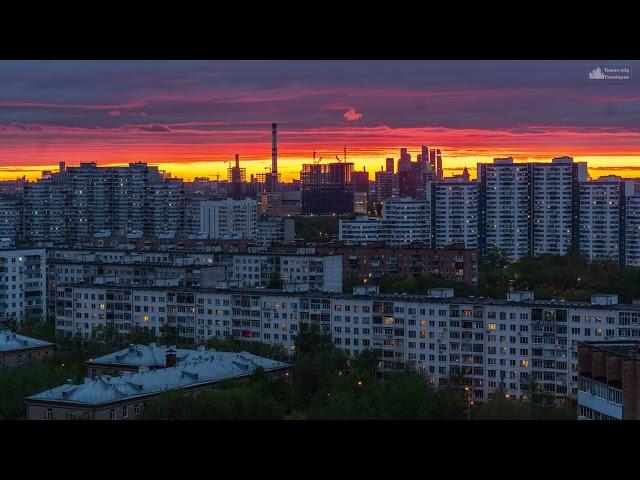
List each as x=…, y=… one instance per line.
x=274, y=148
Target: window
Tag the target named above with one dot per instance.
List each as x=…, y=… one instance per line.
x=112, y=414
x=49, y=414
x=125, y=411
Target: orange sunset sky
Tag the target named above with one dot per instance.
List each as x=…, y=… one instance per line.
x=190, y=118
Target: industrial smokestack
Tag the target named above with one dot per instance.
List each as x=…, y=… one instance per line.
x=274, y=148
x=237, y=160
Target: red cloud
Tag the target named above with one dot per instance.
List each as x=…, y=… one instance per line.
x=351, y=115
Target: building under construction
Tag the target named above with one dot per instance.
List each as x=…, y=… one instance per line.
x=237, y=177
x=327, y=188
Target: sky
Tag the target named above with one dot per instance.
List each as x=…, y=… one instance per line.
x=192, y=117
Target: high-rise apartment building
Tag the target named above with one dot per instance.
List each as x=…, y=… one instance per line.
x=404, y=220
x=78, y=202
x=454, y=213
x=632, y=230
x=555, y=198
x=504, y=208
x=229, y=218
x=601, y=217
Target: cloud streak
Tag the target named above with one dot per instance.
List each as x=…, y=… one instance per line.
x=199, y=112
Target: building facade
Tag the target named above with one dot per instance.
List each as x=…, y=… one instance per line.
x=17, y=350
x=504, y=208
x=404, y=220
x=493, y=343
x=23, y=285
x=609, y=380
x=555, y=198
x=601, y=218
x=229, y=218
x=454, y=213
x=366, y=264
x=319, y=272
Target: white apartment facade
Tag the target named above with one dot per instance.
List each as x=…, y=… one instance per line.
x=554, y=191
x=632, y=230
x=319, y=272
x=495, y=343
x=274, y=230
x=454, y=218
x=600, y=218
x=229, y=218
x=23, y=285
x=360, y=230
x=404, y=220
x=504, y=207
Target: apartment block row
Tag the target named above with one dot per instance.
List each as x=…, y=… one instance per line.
x=186, y=268
x=76, y=204
x=494, y=343
x=520, y=209
x=240, y=218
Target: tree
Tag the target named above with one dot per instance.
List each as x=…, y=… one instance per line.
x=367, y=361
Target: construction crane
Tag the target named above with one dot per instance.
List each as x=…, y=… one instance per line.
x=316, y=161
x=344, y=157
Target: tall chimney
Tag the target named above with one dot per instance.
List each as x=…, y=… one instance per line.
x=274, y=148
x=237, y=160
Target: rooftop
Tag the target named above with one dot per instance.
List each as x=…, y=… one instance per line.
x=11, y=341
x=621, y=348
x=202, y=368
x=151, y=355
x=390, y=297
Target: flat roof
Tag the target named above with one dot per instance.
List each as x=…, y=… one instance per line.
x=11, y=341
x=391, y=297
x=203, y=368
x=621, y=348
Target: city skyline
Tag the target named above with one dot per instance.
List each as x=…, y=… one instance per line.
x=191, y=118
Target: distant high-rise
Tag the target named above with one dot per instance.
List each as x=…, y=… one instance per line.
x=404, y=163
x=439, y=171
x=390, y=165
x=236, y=176
x=327, y=188
x=425, y=153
